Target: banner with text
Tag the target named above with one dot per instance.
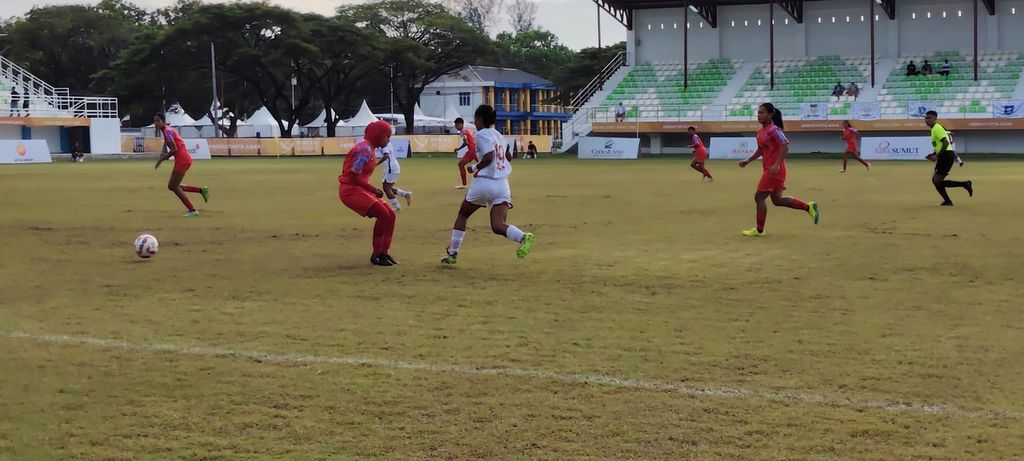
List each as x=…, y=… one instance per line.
x=921, y=108
x=609, y=148
x=814, y=111
x=733, y=148
x=893, y=148
x=1008, y=109
x=26, y=151
x=865, y=111
x=199, y=149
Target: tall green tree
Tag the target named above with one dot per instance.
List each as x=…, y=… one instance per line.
x=67, y=45
x=421, y=42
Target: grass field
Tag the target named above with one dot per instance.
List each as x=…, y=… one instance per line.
x=641, y=327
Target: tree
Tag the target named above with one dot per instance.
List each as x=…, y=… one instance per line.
x=421, y=42
x=523, y=14
x=535, y=51
x=67, y=45
x=347, y=54
x=585, y=64
x=481, y=14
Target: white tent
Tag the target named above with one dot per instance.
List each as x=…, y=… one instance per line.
x=363, y=118
x=418, y=112
x=451, y=112
x=203, y=128
x=176, y=117
x=265, y=125
x=318, y=127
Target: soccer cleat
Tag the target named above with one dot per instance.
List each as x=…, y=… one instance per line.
x=868, y=166
x=460, y=187
x=408, y=198
x=450, y=258
x=970, y=188
x=946, y=204
x=752, y=232
x=812, y=209
x=840, y=171
x=390, y=259
x=380, y=260
x=205, y=192
x=524, y=246
x=191, y=214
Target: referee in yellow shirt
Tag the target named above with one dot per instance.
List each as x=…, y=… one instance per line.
x=944, y=158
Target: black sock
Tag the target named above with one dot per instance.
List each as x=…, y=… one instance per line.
x=941, y=187
x=954, y=184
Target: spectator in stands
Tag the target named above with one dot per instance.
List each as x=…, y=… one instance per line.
x=853, y=90
x=76, y=153
x=14, y=102
x=620, y=113
x=531, y=150
x=911, y=69
x=24, y=103
x=926, y=69
x=838, y=90
x=946, y=67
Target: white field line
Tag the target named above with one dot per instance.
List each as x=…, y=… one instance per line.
x=839, y=401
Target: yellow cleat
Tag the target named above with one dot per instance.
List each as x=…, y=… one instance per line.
x=753, y=232
x=812, y=209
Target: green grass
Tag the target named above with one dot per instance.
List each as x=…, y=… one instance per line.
x=638, y=273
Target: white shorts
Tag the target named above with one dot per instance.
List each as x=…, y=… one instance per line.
x=391, y=178
x=487, y=192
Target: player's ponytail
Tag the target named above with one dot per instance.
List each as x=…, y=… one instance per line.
x=775, y=113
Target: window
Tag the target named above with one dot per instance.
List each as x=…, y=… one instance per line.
x=464, y=99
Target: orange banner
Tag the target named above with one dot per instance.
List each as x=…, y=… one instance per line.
x=45, y=121
x=318, y=146
x=960, y=124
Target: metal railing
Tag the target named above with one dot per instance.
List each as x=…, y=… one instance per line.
x=597, y=84
x=18, y=76
x=59, y=107
x=674, y=113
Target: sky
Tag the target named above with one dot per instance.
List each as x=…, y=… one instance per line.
x=574, y=21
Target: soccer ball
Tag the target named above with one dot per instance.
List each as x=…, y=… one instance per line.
x=146, y=246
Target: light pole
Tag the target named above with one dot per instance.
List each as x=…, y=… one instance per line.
x=392, y=80
x=295, y=81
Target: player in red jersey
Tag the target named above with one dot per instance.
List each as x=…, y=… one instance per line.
x=182, y=162
x=469, y=143
x=700, y=154
x=850, y=135
x=772, y=147
x=357, y=193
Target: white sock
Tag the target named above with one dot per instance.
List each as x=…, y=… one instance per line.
x=457, y=236
x=394, y=203
x=401, y=193
x=514, y=234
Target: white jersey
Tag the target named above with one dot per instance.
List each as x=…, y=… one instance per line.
x=392, y=161
x=489, y=140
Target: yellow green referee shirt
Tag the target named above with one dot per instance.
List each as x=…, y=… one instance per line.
x=938, y=134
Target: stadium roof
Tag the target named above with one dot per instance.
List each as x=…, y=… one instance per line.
x=622, y=10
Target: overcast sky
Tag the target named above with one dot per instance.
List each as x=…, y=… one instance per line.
x=574, y=21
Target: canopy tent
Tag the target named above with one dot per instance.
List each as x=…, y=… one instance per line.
x=176, y=116
x=363, y=118
x=265, y=125
x=203, y=127
x=451, y=112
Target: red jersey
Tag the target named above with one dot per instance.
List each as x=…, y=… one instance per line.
x=770, y=140
x=470, y=140
x=850, y=135
x=698, y=145
x=173, y=139
x=362, y=159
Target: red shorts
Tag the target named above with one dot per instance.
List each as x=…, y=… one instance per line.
x=700, y=156
x=358, y=199
x=771, y=182
x=182, y=167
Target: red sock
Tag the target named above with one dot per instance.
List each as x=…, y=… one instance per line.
x=383, y=228
x=704, y=170
x=462, y=171
x=762, y=216
x=193, y=189
x=798, y=204
x=184, y=200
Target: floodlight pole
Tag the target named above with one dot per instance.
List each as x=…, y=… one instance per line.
x=392, y=94
x=686, y=45
x=598, y=25
x=216, y=107
x=771, y=42
x=871, y=19
x=975, y=40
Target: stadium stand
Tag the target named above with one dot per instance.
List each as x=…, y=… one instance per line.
x=656, y=90
x=958, y=94
x=797, y=81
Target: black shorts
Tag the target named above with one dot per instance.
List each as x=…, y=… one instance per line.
x=944, y=163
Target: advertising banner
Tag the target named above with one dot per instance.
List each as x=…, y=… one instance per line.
x=199, y=149
x=732, y=148
x=814, y=111
x=1008, y=109
x=609, y=148
x=865, y=111
x=26, y=151
x=896, y=148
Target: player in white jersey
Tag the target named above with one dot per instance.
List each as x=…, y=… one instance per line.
x=489, y=188
x=391, y=172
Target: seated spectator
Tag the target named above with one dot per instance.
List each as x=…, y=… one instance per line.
x=620, y=113
x=946, y=67
x=911, y=69
x=76, y=153
x=853, y=90
x=838, y=90
x=531, y=150
x=926, y=69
